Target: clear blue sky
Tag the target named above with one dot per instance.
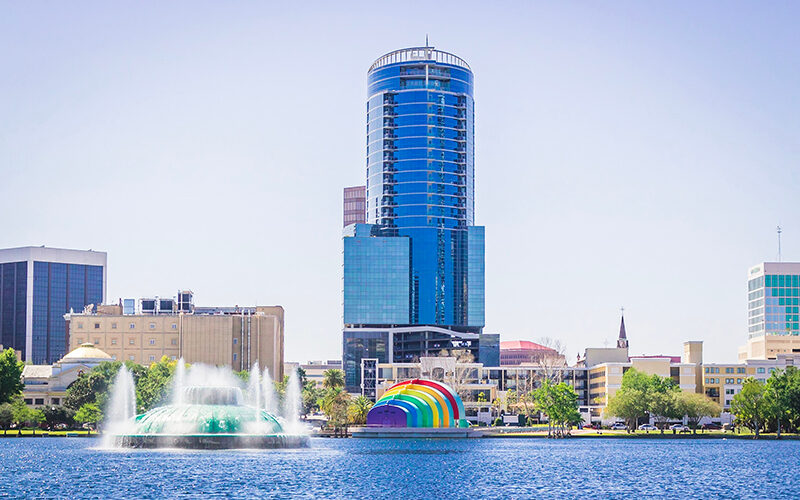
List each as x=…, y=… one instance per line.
x=627, y=153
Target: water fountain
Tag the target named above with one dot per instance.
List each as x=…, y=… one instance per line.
x=292, y=401
x=270, y=398
x=121, y=407
x=208, y=410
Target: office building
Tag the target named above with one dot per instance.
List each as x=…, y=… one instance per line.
x=314, y=370
x=38, y=285
x=226, y=336
x=355, y=205
x=414, y=274
x=773, y=310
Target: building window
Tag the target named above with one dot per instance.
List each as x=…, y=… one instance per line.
x=113, y=326
x=152, y=341
x=760, y=370
x=132, y=341
x=235, y=341
x=38, y=401
x=131, y=357
x=234, y=356
x=152, y=358
x=80, y=326
x=132, y=326
x=728, y=370
x=738, y=381
x=114, y=357
x=55, y=401
x=172, y=358
x=79, y=340
x=174, y=326
x=113, y=341
x=740, y=370
x=174, y=341
x=152, y=326
x=28, y=401
x=96, y=341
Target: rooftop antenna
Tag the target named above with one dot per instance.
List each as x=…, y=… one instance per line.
x=780, y=230
x=426, y=40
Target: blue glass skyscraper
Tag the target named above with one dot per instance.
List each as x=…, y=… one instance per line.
x=420, y=191
x=38, y=286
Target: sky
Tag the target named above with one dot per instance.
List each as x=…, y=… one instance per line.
x=627, y=154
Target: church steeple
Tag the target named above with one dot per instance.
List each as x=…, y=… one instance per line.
x=622, y=341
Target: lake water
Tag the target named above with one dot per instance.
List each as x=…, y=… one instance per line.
x=353, y=468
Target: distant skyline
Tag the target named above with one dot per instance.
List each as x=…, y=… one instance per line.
x=626, y=154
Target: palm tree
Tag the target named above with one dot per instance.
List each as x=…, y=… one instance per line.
x=358, y=409
x=333, y=379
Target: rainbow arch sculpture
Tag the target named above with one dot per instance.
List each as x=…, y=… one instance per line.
x=418, y=403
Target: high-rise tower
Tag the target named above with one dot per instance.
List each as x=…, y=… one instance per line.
x=414, y=274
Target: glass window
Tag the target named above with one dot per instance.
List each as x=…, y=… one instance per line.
x=152, y=326
x=152, y=341
x=132, y=341
x=132, y=326
x=80, y=326
x=174, y=326
x=113, y=326
x=130, y=357
x=113, y=341
x=97, y=326
x=152, y=358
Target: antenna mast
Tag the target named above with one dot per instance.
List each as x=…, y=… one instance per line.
x=780, y=230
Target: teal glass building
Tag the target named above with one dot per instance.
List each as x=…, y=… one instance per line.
x=773, y=292
x=420, y=206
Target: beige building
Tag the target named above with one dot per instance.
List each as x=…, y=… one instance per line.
x=234, y=339
x=769, y=347
x=47, y=384
x=315, y=370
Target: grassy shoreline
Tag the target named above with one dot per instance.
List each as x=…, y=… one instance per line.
x=644, y=435
x=28, y=433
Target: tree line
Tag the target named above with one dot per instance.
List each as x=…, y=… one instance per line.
x=642, y=395
x=773, y=405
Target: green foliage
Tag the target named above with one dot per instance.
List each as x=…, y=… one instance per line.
x=695, y=406
x=244, y=375
x=89, y=414
x=55, y=415
x=358, y=409
x=498, y=422
x=751, y=406
x=642, y=394
x=10, y=376
x=93, y=386
x=782, y=393
x=311, y=396
x=6, y=416
x=152, y=387
x=335, y=403
x=333, y=379
x=560, y=403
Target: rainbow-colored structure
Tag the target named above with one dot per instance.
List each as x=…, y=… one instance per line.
x=418, y=403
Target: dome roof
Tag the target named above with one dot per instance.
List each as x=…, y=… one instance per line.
x=86, y=351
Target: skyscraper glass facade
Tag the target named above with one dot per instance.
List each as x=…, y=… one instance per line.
x=774, y=299
x=57, y=288
x=376, y=279
x=420, y=177
x=13, y=300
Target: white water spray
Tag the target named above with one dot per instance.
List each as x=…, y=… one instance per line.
x=291, y=404
x=179, y=382
x=254, y=387
x=269, y=397
x=121, y=407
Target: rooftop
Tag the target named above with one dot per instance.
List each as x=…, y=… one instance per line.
x=523, y=344
x=413, y=54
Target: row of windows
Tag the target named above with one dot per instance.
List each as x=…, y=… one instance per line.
x=715, y=369
x=131, y=341
x=131, y=326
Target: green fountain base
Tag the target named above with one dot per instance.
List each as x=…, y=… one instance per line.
x=213, y=441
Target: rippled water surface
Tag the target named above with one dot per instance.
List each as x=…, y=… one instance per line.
x=496, y=468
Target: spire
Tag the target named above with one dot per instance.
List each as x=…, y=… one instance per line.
x=622, y=341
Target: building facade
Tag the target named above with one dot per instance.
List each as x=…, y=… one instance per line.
x=47, y=384
x=355, y=205
x=38, y=285
x=236, y=338
x=773, y=311
x=425, y=249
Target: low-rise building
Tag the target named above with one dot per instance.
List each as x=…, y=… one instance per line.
x=47, y=385
x=314, y=370
x=517, y=352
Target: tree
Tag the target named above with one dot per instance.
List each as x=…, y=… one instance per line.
x=695, y=406
x=93, y=386
x=154, y=383
x=10, y=375
x=35, y=417
x=334, y=404
x=21, y=413
x=333, y=379
x=6, y=416
x=629, y=405
x=779, y=395
x=311, y=396
x=57, y=415
x=358, y=409
x=560, y=403
x=663, y=406
x=750, y=406
x=89, y=414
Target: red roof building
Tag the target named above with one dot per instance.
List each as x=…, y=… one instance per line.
x=517, y=352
